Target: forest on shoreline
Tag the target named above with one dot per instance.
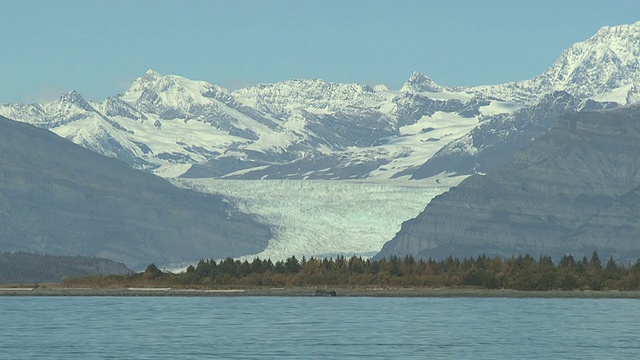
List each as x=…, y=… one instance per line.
x=515, y=273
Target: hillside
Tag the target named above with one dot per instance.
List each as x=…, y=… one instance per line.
x=572, y=190
x=58, y=198
x=25, y=268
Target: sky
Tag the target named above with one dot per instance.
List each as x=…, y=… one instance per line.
x=99, y=48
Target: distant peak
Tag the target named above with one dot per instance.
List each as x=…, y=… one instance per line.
x=419, y=82
x=152, y=72
x=417, y=75
x=73, y=97
x=635, y=27
x=149, y=78
x=602, y=63
x=620, y=38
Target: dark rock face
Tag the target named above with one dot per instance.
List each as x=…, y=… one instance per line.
x=573, y=190
x=58, y=198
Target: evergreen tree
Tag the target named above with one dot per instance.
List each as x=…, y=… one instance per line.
x=595, y=263
x=152, y=271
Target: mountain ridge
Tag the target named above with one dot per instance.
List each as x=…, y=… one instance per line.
x=573, y=190
x=58, y=198
x=295, y=129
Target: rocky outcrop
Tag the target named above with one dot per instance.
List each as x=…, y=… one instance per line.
x=325, y=292
x=573, y=190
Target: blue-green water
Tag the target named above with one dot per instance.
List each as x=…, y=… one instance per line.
x=317, y=328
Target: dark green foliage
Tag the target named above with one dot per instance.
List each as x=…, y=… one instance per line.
x=152, y=271
x=518, y=273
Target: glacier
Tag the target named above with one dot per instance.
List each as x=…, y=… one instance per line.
x=325, y=218
x=368, y=141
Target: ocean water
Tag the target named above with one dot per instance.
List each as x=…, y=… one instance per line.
x=317, y=328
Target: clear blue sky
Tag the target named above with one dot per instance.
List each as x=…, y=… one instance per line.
x=99, y=47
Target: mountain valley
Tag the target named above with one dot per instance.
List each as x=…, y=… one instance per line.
x=328, y=149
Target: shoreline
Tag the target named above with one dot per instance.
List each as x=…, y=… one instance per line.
x=309, y=292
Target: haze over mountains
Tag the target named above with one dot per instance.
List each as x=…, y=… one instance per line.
x=312, y=129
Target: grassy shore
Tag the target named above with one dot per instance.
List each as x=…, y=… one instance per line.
x=342, y=292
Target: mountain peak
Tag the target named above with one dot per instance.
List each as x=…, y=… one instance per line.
x=620, y=38
x=152, y=73
x=73, y=97
x=419, y=82
x=608, y=60
x=171, y=95
x=619, y=29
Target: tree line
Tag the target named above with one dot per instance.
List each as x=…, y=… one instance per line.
x=523, y=272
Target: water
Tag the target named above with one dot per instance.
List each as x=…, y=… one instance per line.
x=317, y=328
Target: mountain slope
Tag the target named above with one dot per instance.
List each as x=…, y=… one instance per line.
x=58, y=198
x=573, y=190
x=25, y=268
x=608, y=60
x=496, y=139
x=313, y=129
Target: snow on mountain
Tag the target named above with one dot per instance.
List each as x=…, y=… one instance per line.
x=68, y=108
x=607, y=61
x=316, y=96
x=419, y=82
x=313, y=129
x=499, y=136
x=353, y=132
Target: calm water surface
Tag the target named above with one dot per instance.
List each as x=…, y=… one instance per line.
x=317, y=328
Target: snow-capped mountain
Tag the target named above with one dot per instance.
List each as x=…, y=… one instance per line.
x=313, y=129
x=294, y=129
x=608, y=61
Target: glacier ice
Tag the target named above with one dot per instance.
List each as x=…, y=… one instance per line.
x=325, y=218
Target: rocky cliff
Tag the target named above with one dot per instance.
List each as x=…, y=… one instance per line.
x=573, y=190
